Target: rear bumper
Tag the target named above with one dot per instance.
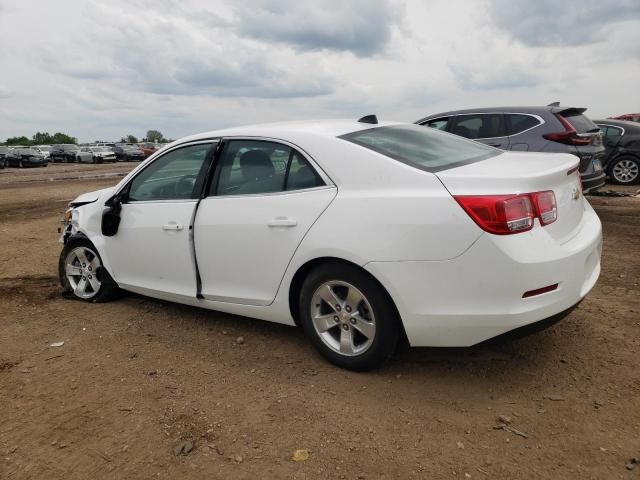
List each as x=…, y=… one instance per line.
x=593, y=181
x=478, y=295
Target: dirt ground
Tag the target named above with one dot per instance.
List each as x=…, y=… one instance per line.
x=138, y=379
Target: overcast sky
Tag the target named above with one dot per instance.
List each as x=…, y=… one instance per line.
x=103, y=69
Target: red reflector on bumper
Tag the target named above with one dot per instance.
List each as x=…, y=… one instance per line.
x=540, y=291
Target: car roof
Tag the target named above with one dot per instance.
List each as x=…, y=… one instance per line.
x=619, y=123
x=320, y=128
x=536, y=110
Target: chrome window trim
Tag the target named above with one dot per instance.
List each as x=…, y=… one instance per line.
x=608, y=125
x=537, y=117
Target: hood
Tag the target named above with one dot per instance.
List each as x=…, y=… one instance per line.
x=91, y=197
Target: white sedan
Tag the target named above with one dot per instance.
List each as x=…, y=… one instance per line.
x=96, y=155
x=362, y=233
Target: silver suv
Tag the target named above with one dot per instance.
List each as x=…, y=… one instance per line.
x=537, y=129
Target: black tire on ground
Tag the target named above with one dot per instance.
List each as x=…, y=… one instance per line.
x=625, y=170
x=387, y=320
x=108, y=288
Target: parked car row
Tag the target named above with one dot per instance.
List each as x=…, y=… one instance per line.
x=21, y=157
x=40, y=155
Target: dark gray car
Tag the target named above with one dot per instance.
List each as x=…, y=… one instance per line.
x=537, y=129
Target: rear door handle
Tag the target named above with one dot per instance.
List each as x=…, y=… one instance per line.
x=282, y=222
x=172, y=226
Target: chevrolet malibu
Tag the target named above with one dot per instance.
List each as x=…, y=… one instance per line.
x=362, y=233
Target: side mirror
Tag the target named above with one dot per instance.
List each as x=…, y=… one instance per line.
x=111, y=216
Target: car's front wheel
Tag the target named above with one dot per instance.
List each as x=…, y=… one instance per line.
x=625, y=171
x=349, y=317
x=82, y=274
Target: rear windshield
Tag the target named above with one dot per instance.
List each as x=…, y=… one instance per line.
x=581, y=123
x=422, y=147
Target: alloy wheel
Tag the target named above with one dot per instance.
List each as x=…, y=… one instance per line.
x=343, y=318
x=626, y=171
x=81, y=266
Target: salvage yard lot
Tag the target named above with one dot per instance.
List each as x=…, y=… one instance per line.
x=137, y=378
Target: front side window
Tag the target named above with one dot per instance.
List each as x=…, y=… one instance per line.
x=177, y=175
x=249, y=167
x=424, y=148
x=488, y=125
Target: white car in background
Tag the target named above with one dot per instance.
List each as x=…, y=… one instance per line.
x=45, y=150
x=96, y=155
x=360, y=232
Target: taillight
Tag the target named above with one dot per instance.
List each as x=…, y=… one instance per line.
x=546, y=207
x=569, y=136
x=499, y=214
x=508, y=214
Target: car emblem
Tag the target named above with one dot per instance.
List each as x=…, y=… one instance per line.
x=575, y=193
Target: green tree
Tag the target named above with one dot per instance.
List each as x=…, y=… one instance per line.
x=63, y=138
x=42, y=138
x=154, y=136
x=129, y=139
x=18, y=141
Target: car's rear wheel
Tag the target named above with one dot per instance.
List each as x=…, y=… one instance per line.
x=625, y=171
x=349, y=317
x=82, y=274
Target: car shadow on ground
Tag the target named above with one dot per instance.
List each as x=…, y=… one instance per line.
x=528, y=352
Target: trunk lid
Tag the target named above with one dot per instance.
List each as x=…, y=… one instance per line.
x=513, y=173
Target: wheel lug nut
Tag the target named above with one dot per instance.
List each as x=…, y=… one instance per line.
x=90, y=277
x=353, y=321
x=338, y=308
x=345, y=326
x=347, y=308
x=336, y=319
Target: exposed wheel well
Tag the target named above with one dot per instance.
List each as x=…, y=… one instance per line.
x=304, y=270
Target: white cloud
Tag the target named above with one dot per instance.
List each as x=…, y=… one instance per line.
x=128, y=66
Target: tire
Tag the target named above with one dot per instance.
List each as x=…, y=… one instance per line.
x=625, y=171
x=367, y=328
x=91, y=281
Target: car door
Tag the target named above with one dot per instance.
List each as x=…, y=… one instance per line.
x=487, y=128
x=611, y=136
x=264, y=197
x=153, y=250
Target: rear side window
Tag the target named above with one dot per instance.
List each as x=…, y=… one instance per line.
x=438, y=123
x=250, y=167
x=487, y=125
x=424, y=148
x=612, y=132
x=581, y=123
x=518, y=123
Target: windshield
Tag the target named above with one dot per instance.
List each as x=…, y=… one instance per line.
x=422, y=147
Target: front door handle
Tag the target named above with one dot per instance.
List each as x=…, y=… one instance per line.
x=172, y=226
x=282, y=222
